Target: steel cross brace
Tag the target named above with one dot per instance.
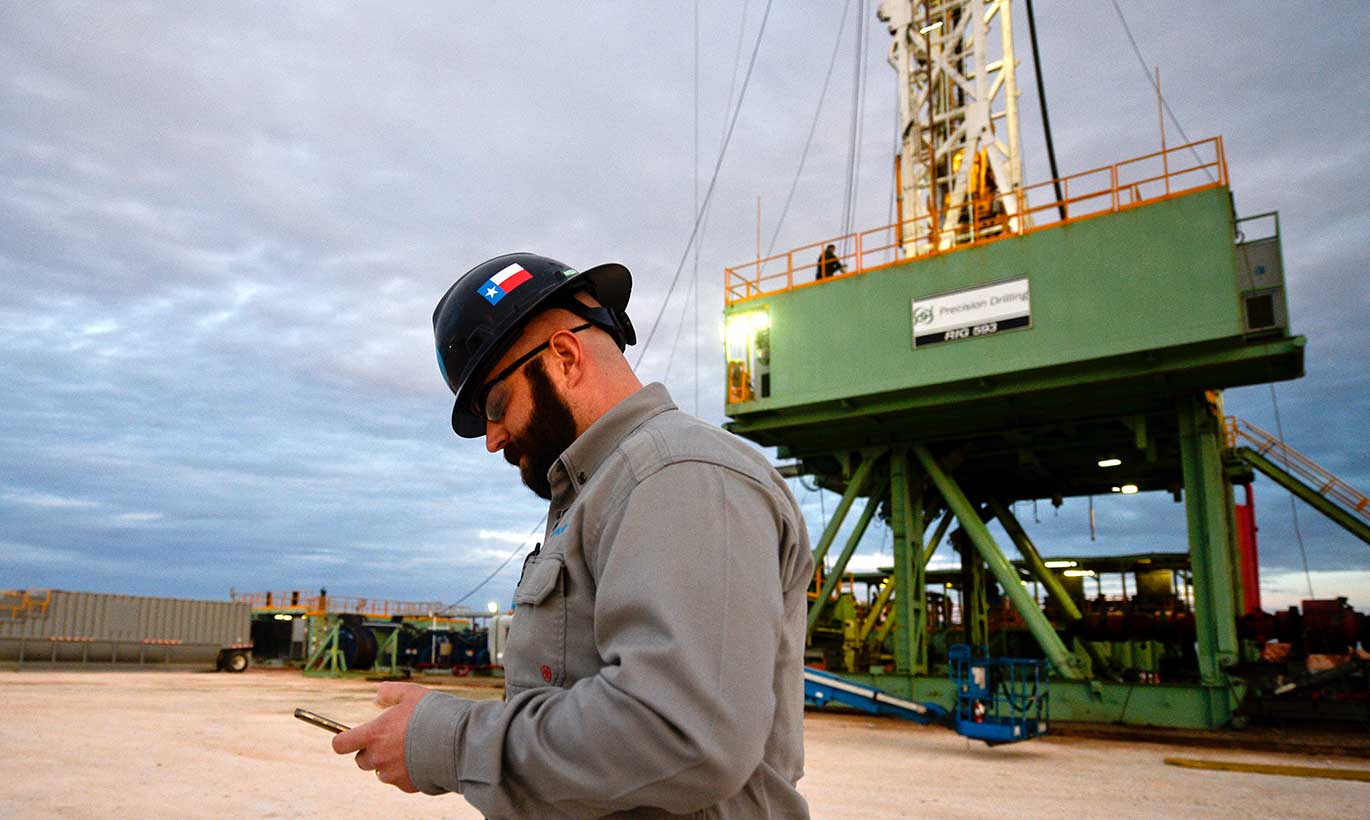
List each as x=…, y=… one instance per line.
x=1065, y=664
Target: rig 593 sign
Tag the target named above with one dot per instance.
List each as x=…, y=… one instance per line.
x=970, y=314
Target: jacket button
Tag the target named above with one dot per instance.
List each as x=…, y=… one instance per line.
x=547, y=673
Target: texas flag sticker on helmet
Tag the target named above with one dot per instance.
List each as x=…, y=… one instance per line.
x=503, y=283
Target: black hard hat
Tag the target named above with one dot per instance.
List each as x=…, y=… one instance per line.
x=483, y=313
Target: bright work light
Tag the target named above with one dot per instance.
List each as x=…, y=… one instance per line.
x=739, y=327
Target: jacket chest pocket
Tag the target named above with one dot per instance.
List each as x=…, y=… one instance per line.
x=536, y=653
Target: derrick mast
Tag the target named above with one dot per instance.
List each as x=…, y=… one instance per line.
x=958, y=109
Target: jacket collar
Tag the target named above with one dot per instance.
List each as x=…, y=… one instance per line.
x=579, y=462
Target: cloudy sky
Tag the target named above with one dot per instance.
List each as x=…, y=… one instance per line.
x=225, y=227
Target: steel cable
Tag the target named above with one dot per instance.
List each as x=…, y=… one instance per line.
x=813, y=127
x=709, y=192
x=694, y=232
x=1146, y=70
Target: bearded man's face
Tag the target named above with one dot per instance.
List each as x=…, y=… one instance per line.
x=550, y=430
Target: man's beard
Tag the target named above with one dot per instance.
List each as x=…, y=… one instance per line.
x=551, y=429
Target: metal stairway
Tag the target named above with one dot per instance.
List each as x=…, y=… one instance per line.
x=1300, y=475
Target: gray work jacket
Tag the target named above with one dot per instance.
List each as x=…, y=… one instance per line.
x=655, y=660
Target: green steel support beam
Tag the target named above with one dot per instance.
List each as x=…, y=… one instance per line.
x=1208, y=508
x=974, y=601
x=835, y=576
x=1065, y=664
x=1180, y=705
x=882, y=632
x=839, y=515
x=327, y=656
x=918, y=585
x=1048, y=579
x=1305, y=493
x=906, y=621
x=937, y=534
x=882, y=598
x=390, y=647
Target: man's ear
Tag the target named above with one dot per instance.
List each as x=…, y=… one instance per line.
x=568, y=356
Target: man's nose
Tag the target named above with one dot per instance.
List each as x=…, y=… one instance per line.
x=495, y=436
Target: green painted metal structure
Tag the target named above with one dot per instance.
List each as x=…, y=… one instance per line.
x=326, y=657
x=1134, y=318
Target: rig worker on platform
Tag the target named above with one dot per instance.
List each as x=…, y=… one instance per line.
x=655, y=660
x=829, y=264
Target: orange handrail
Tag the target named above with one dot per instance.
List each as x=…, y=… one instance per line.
x=296, y=600
x=1184, y=169
x=1312, y=473
x=26, y=602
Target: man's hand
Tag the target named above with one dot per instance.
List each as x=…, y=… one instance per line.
x=379, y=744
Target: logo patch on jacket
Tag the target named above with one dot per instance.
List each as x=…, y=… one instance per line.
x=547, y=673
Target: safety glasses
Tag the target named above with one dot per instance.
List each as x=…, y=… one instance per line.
x=493, y=398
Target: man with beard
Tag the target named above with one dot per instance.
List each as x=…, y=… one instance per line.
x=655, y=661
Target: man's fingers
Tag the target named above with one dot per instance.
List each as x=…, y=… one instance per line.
x=352, y=740
x=397, y=776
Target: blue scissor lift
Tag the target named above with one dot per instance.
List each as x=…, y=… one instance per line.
x=998, y=700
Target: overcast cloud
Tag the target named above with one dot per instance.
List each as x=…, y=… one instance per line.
x=226, y=225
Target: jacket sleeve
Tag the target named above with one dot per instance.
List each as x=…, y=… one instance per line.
x=688, y=620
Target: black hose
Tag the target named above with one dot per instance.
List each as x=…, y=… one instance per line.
x=1046, y=119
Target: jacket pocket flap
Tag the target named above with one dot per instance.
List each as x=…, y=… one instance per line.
x=539, y=581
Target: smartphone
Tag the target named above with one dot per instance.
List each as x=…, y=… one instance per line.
x=320, y=721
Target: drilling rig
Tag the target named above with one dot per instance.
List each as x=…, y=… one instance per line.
x=1004, y=342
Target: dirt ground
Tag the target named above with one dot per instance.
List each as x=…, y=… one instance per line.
x=193, y=744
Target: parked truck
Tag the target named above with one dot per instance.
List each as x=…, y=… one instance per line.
x=55, y=626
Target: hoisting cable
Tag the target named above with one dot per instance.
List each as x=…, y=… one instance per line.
x=1046, y=119
x=679, y=331
x=502, y=565
x=1150, y=79
x=1293, y=507
x=704, y=222
x=694, y=232
x=813, y=127
x=709, y=192
x=693, y=292
x=853, y=127
x=862, y=69
x=694, y=205
x=732, y=87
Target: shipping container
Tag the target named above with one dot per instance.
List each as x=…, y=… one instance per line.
x=53, y=626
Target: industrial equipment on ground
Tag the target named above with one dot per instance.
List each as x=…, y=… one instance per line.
x=59, y=626
x=1002, y=343
x=333, y=635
